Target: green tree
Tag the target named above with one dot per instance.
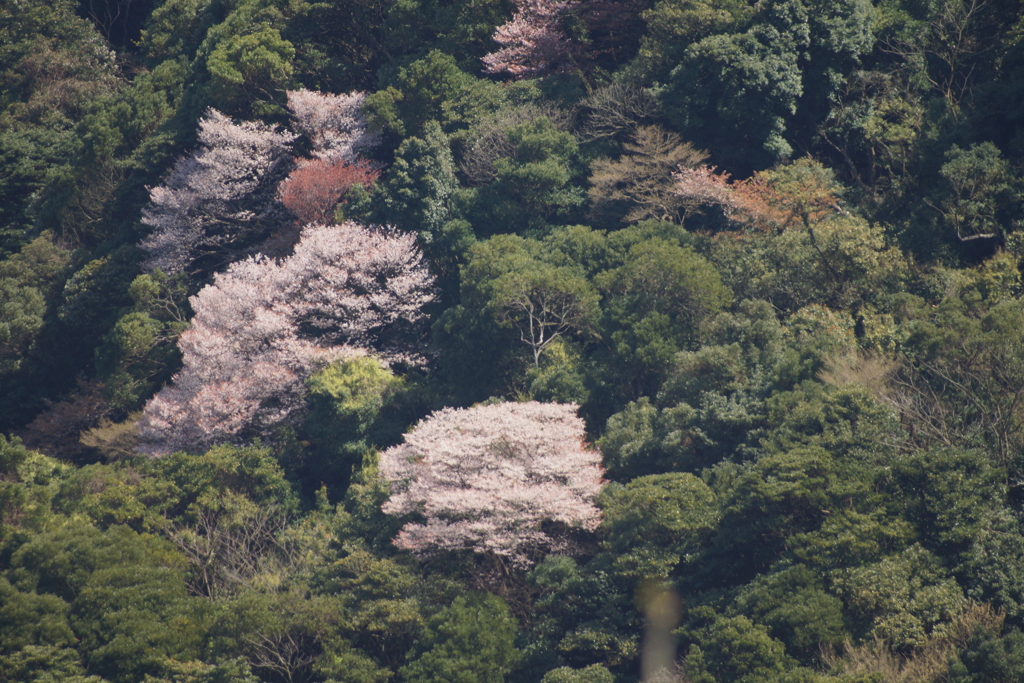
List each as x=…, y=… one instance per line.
x=419, y=195
x=771, y=500
x=543, y=303
x=840, y=262
x=139, y=353
x=125, y=594
x=675, y=25
x=129, y=619
x=54, y=67
x=182, y=486
x=344, y=421
x=538, y=185
x=735, y=650
x=517, y=294
x=595, y=673
x=797, y=609
x=581, y=615
x=29, y=281
x=249, y=70
x=33, y=619
x=431, y=89
x=960, y=384
x=380, y=611
x=989, y=657
x=655, y=302
x=45, y=664
x=902, y=598
x=655, y=523
x=979, y=192
x=472, y=641
x=737, y=93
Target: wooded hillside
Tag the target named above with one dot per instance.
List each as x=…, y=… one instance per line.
x=529, y=341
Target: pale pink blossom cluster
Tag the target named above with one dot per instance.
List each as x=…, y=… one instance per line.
x=212, y=196
x=533, y=42
x=335, y=124
x=262, y=327
x=702, y=186
x=486, y=478
x=358, y=286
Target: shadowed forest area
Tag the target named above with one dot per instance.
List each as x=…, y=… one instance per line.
x=455, y=341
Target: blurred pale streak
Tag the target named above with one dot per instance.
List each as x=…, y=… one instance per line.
x=662, y=612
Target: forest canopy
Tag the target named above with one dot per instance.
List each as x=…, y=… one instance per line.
x=525, y=341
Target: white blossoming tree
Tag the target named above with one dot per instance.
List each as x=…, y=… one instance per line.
x=334, y=124
x=263, y=327
x=219, y=198
x=507, y=479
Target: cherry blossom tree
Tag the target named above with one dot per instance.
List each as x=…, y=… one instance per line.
x=703, y=186
x=334, y=124
x=218, y=197
x=263, y=327
x=506, y=479
x=533, y=42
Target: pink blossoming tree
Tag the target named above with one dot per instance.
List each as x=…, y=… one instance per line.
x=217, y=197
x=263, y=327
x=334, y=124
x=533, y=42
x=507, y=479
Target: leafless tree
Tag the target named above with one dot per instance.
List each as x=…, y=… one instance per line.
x=617, y=109
x=642, y=176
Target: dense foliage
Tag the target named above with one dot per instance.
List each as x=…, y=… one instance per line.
x=539, y=341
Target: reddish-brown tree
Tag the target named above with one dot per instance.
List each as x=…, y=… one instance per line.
x=800, y=193
x=315, y=187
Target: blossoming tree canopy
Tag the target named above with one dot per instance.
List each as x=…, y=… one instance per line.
x=215, y=197
x=533, y=41
x=335, y=124
x=263, y=327
x=492, y=478
x=221, y=202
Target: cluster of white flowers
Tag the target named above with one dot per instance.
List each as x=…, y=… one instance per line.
x=486, y=478
x=334, y=123
x=212, y=196
x=248, y=352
